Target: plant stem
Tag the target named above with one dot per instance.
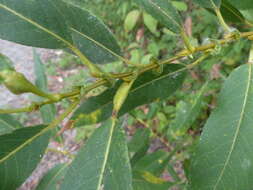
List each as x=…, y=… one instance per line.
x=101, y=82
x=221, y=20
x=187, y=41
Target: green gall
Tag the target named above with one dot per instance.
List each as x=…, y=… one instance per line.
x=17, y=83
x=121, y=96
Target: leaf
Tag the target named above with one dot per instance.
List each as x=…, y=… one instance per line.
x=102, y=161
x=224, y=156
x=248, y=14
x=47, y=112
x=20, y=153
x=242, y=5
x=147, y=88
x=186, y=114
x=230, y=13
x=150, y=22
x=52, y=180
x=8, y=124
x=131, y=20
x=146, y=181
x=180, y=6
x=154, y=163
x=208, y=3
x=45, y=23
x=90, y=34
x=139, y=144
x=140, y=139
x=5, y=63
x=164, y=12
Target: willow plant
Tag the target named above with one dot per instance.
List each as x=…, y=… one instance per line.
x=223, y=158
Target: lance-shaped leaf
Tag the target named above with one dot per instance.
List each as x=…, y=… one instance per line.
x=90, y=34
x=147, y=88
x=53, y=179
x=8, y=124
x=102, y=162
x=164, y=12
x=47, y=112
x=20, y=152
x=42, y=23
x=224, y=156
x=208, y=3
x=231, y=13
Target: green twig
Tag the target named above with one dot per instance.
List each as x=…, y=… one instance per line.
x=183, y=53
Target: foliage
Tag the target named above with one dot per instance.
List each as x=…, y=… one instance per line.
x=136, y=97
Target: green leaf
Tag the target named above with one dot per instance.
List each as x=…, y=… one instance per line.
x=90, y=34
x=150, y=22
x=248, y=14
x=52, y=180
x=187, y=113
x=131, y=20
x=208, y=3
x=231, y=13
x=47, y=112
x=146, y=89
x=164, y=12
x=224, y=156
x=154, y=163
x=20, y=153
x=103, y=161
x=243, y=4
x=8, y=124
x=5, y=63
x=146, y=181
x=139, y=140
x=181, y=6
x=43, y=24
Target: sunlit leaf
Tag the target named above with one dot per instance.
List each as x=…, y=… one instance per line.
x=150, y=22
x=131, y=20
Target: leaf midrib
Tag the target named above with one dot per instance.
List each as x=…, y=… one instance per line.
x=107, y=151
x=242, y=114
x=35, y=24
x=25, y=143
x=69, y=44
